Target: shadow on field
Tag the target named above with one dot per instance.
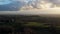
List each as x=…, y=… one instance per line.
x=29, y=30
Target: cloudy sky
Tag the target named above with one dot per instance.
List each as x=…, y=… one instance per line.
x=41, y=3
x=37, y=4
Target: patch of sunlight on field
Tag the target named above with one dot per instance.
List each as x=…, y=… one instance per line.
x=36, y=24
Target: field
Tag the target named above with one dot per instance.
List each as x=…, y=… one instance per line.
x=31, y=25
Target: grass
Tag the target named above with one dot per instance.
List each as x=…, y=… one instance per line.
x=35, y=24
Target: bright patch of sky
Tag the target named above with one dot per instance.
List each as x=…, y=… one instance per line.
x=42, y=4
x=3, y=2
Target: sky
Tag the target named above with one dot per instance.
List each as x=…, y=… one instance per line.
x=3, y=2
x=35, y=4
x=41, y=4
